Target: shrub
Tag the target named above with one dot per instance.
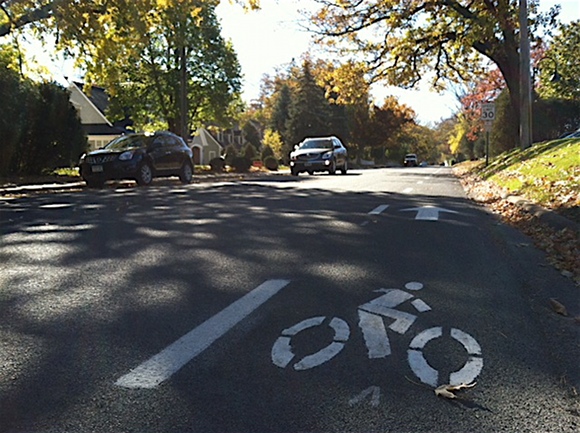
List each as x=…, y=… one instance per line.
x=266, y=152
x=217, y=164
x=271, y=163
x=231, y=154
x=241, y=164
x=250, y=152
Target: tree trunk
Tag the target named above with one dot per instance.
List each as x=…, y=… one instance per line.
x=509, y=67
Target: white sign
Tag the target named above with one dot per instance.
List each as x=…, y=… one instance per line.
x=488, y=112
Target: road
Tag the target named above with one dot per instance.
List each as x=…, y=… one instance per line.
x=282, y=304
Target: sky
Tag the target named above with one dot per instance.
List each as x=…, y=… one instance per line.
x=270, y=38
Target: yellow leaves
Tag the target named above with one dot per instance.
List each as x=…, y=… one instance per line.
x=458, y=136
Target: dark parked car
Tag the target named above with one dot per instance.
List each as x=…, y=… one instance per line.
x=140, y=157
x=410, y=160
x=319, y=154
x=575, y=134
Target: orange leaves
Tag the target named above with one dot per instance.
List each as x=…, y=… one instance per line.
x=562, y=247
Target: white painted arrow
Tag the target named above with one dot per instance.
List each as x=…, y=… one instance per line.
x=373, y=391
x=428, y=213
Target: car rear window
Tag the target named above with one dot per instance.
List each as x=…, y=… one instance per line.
x=317, y=144
x=127, y=142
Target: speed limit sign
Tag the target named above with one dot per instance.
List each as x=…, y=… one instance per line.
x=488, y=114
x=488, y=111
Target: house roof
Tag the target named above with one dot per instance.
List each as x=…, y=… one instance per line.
x=97, y=95
x=102, y=129
x=204, y=138
x=97, y=100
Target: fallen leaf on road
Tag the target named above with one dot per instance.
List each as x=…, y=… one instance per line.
x=447, y=390
x=558, y=307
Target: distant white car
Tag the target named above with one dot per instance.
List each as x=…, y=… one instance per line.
x=410, y=160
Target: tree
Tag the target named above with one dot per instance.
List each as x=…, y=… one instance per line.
x=385, y=129
x=53, y=135
x=146, y=59
x=281, y=110
x=309, y=110
x=58, y=13
x=559, y=65
x=273, y=141
x=165, y=58
x=39, y=127
x=252, y=133
x=13, y=108
x=438, y=39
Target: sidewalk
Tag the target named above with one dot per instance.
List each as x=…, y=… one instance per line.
x=14, y=189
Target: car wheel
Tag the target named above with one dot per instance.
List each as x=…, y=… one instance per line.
x=332, y=168
x=186, y=173
x=94, y=183
x=344, y=168
x=144, y=175
x=294, y=172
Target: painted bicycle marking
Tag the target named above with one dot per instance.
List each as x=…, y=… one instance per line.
x=372, y=317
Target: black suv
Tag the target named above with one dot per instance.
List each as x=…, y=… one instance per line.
x=140, y=157
x=319, y=154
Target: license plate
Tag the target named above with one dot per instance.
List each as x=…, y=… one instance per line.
x=97, y=168
x=307, y=164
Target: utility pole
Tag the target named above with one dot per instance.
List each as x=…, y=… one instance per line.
x=183, y=93
x=525, y=79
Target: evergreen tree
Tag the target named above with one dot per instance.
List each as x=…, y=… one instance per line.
x=309, y=112
x=280, y=112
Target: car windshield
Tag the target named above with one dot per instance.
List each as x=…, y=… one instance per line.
x=127, y=142
x=317, y=144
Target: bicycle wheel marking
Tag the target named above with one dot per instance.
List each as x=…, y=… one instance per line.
x=282, y=354
x=428, y=374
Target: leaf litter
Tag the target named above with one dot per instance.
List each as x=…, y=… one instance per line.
x=447, y=391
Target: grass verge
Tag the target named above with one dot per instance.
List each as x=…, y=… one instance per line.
x=547, y=174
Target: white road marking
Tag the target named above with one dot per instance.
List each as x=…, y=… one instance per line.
x=373, y=391
x=407, y=190
x=161, y=366
x=420, y=305
x=375, y=335
x=417, y=361
x=379, y=209
x=428, y=374
x=428, y=213
x=414, y=285
x=282, y=354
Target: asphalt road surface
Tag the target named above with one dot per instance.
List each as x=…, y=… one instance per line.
x=287, y=304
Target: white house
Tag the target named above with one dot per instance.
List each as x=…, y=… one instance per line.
x=91, y=108
x=205, y=147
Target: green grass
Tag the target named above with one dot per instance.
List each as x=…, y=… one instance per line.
x=547, y=173
x=66, y=171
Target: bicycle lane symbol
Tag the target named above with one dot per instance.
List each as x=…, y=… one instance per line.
x=372, y=317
